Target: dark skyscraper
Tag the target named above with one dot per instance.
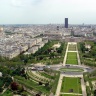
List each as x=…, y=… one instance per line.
x=66, y=22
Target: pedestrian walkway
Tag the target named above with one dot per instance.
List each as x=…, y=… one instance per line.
x=71, y=93
x=59, y=85
x=65, y=57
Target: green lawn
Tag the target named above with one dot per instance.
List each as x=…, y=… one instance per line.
x=71, y=83
x=7, y=93
x=46, y=75
x=72, y=47
x=72, y=58
x=50, y=57
x=31, y=85
x=72, y=69
x=72, y=55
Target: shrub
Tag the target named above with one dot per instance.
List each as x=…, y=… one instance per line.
x=14, y=85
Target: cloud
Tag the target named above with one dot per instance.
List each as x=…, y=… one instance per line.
x=24, y=3
x=21, y=3
x=42, y=11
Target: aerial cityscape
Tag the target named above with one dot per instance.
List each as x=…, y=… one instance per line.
x=48, y=60
x=47, y=48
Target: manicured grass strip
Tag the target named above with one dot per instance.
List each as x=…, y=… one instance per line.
x=31, y=85
x=72, y=58
x=72, y=69
x=71, y=85
x=71, y=55
x=7, y=93
x=46, y=75
x=37, y=78
x=72, y=47
x=74, y=62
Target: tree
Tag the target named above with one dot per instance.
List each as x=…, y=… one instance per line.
x=8, y=79
x=93, y=51
x=25, y=61
x=1, y=89
x=1, y=82
x=20, y=88
x=14, y=85
x=59, y=51
x=94, y=92
x=38, y=95
x=46, y=84
x=52, y=55
x=24, y=93
x=40, y=83
x=22, y=71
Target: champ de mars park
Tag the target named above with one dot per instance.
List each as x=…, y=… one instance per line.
x=42, y=56
x=57, y=69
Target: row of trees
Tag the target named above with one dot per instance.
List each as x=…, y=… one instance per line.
x=5, y=81
x=45, y=53
x=42, y=54
x=89, y=77
x=91, y=53
x=82, y=47
x=15, y=66
x=88, y=56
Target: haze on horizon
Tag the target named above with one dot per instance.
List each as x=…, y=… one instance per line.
x=47, y=11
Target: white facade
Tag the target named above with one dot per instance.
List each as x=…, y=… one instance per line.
x=33, y=49
x=0, y=74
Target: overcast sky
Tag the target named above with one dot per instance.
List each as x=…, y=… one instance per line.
x=47, y=11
